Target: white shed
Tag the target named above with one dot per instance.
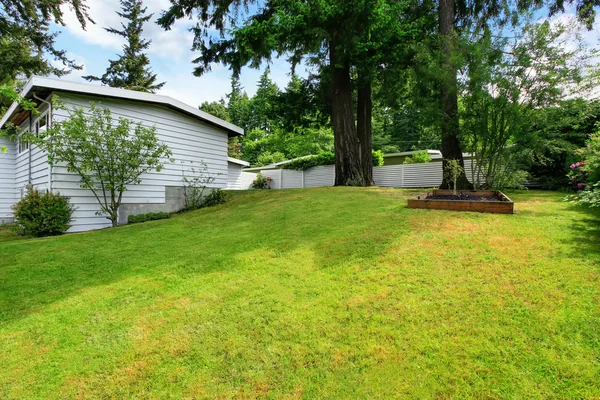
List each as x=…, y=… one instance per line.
x=195, y=138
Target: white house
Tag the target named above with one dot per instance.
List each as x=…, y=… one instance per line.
x=197, y=139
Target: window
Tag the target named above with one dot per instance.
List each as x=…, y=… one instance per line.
x=23, y=144
x=41, y=124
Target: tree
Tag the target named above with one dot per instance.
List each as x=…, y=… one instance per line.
x=25, y=40
x=510, y=83
x=348, y=41
x=107, y=155
x=131, y=70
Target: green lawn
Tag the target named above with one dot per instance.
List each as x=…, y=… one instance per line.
x=309, y=293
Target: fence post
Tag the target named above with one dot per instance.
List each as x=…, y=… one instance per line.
x=303, y=179
x=280, y=178
x=401, y=175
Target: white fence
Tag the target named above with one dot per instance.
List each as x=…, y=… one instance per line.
x=397, y=176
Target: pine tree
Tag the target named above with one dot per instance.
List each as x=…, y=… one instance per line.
x=131, y=70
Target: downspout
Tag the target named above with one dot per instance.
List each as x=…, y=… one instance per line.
x=29, y=180
x=49, y=126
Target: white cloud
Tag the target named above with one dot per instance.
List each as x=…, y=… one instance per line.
x=173, y=44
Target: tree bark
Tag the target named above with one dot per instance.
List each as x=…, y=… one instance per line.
x=451, y=148
x=364, y=127
x=349, y=170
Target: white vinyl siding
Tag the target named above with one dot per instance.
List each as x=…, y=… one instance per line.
x=192, y=142
x=7, y=180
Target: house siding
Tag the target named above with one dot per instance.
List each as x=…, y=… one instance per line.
x=192, y=142
x=7, y=181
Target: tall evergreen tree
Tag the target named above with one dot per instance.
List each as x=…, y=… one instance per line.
x=339, y=37
x=131, y=70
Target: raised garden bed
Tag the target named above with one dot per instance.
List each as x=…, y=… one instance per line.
x=489, y=201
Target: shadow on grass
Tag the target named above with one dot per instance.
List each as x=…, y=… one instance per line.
x=338, y=225
x=586, y=231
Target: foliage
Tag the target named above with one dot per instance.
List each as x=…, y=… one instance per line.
x=420, y=157
x=214, y=198
x=217, y=109
x=585, y=174
x=501, y=96
x=267, y=158
x=107, y=155
x=131, y=70
x=152, y=216
x=42, y=214
x=326, y=158
x=549, y=144
x=302, y=164
x=349, y=43
x=195, y=182
x=10, y=95
x=377, y=156
x=261, y=182
x=454, y=171
x=26, y=40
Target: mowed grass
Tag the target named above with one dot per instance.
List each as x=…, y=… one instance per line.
x=312, y=293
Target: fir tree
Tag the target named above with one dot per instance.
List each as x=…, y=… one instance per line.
x=131, y=70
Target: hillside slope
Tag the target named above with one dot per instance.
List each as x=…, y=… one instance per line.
x=312, y=293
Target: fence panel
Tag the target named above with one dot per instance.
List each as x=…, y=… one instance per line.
x=291, y=179
x=323, y=175
x=388, y=176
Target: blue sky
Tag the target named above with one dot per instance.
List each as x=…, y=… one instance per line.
x=169, y=54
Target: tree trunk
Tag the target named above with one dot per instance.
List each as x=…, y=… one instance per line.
x=451, y=149
x=364, y=127
x=349, y=170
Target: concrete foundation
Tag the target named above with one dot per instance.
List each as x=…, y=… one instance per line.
x=174, y=201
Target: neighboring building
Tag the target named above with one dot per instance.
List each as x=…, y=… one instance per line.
x=398, y=158
x=236, y=178
x=197, y=139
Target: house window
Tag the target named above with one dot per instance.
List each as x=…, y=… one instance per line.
x=23, y=145
x=42, y=124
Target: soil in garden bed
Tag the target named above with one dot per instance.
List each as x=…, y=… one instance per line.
x=464, y=197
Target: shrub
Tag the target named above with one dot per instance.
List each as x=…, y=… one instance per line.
x=585, y=174
x=43, y=214
x=326, y=158
x=377, y=157
x=194, y=185
x=261, y=182
x=153, y=216
x=418, y=158
x=216, y=197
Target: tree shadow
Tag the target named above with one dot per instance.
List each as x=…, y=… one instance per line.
x=336, y=224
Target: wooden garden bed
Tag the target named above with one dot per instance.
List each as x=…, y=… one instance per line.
x=489, y=201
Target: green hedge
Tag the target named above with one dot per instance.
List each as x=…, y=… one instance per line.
x=326, y=158
x=133, y=219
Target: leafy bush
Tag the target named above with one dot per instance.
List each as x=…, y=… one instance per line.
x=216, y=197
x=418, y=158
x=261, y=182
x=153, y=216
x=326, y=158
x=194, y=185
x=585, y=174
x=43, y=214
x=377, y=157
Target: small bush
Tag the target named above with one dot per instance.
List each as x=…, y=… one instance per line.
x=261, y=182
x=153, y=216
x=216, y=197
x=377, y=158
x=418, y=158
x=42, y=214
